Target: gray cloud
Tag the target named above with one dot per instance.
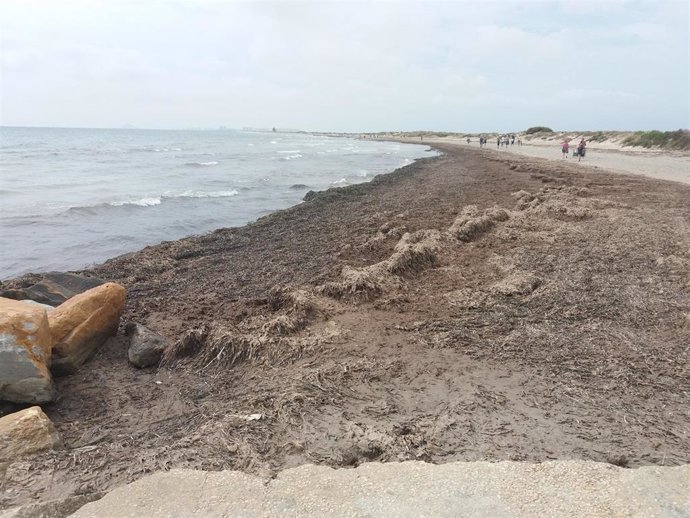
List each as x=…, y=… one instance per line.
x=345, y=65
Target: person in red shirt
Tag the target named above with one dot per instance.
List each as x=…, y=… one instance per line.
x=565, y=148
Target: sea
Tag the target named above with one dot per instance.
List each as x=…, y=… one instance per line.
x=71, y=198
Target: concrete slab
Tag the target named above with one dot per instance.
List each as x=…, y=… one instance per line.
x=414, y=489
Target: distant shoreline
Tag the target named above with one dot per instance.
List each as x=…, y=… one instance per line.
x=658, y=164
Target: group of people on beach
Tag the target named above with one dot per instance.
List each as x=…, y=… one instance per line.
x=580, y=152
x=501, y=140
x=507, y=140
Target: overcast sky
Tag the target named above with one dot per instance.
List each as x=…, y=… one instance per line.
x=346, y=66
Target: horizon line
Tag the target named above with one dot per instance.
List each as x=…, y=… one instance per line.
x=295, y=130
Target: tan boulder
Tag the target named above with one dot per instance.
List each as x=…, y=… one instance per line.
x=25, y=353
x=81, y=324
x=27, y=431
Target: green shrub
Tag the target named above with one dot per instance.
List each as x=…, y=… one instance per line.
x=598, y=137
x=538, y=129
x=428, y=134
x=679, y=139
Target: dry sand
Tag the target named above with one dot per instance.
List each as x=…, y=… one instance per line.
x=473, y=306
x=662, y=165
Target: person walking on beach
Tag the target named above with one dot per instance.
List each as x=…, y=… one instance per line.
x=468, y=140
x=565, y=148
x=581, y=149
x=498, y=142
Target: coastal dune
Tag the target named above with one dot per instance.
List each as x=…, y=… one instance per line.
x=473, y=306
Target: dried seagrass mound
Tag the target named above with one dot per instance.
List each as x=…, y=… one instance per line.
x=473, y=222
x=414, y=252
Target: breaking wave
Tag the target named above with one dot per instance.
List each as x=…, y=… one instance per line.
x=201, y=164
x=143, y=202
x=152, y=201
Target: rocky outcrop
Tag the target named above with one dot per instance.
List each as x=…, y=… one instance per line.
x=80, y=325
x=54, y=288
x=25, y=353
x=145, y=346
x=26, y=432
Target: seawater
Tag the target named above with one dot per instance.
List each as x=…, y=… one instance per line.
x=70, y=198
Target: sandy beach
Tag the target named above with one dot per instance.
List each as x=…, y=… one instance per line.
x=654, y=163
x=479, y=305
x=256, y=261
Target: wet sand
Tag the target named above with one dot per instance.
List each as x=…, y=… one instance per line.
x=393, y=321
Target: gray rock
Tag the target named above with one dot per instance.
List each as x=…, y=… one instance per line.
x=145, y=346
x=408, y=489
x=54, y=288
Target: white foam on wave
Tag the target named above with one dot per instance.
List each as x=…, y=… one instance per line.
x=198, y=194
x=152, y=201
x=341, y=183
x=143, y=202
x=202, y=164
